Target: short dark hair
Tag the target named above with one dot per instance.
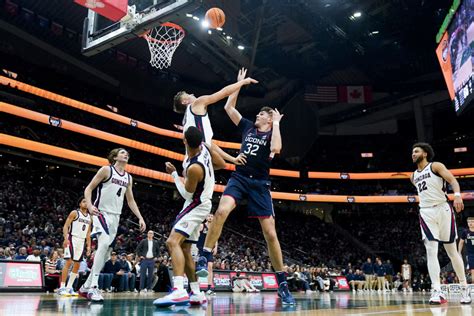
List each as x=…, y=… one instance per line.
x=427, y=149
x=80, y=200
x=113, y=153
x=267, y=109
x=178, y=105
x=193, y=137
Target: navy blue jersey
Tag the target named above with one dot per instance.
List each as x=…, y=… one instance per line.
x=202, y=237
x=379, y=270
x=256, y=146
x=468, y=237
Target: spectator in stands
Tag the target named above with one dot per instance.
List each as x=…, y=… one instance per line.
x=368, y=269
x=130, y=277
x=241, y=283
x=114, y=266
x=380, y=272
x=390, y=272
x=22, y=254
x=2, y=254
x=52, y=274
x=35, y=256
x=148, y=251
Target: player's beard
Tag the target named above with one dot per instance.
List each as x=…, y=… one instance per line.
x=418, y=160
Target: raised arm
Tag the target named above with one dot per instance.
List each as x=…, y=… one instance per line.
x=218, y=161
x=441, y=169
x=194, y=174
x=133, y=205
x=72, y=216
x=275, y=146
x=101, y=175
x=206, y=100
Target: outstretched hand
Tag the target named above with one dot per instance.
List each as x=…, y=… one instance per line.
x=276, y=116
x=170, y=168
x=240, y=160
x=242, y=74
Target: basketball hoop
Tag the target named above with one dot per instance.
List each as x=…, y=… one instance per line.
x=162, y=42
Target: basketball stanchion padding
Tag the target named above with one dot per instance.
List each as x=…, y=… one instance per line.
x=162, y=42
x=111, y=9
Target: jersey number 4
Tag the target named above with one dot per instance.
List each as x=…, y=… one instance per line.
x=252, y=149
x=119, y=192
x=422, y=186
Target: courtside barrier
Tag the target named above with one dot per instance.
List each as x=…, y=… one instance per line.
x=50, y=150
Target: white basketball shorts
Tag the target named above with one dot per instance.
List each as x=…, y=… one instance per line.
x=438, y=223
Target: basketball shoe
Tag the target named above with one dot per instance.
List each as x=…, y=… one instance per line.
x=285, y=295
x=197, y=299
x=465, y=295
x=438, y=298
x=176, y=297
x=201, y=267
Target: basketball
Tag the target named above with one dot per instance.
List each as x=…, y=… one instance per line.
x=216, y=17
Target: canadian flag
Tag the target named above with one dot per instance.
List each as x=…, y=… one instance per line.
x=355, y=94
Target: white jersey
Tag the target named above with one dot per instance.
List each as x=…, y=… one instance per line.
x=110, y=193
x=80, y=226
x=430, y=186
x=201, y=122
x=205, y=188
x=406, y=275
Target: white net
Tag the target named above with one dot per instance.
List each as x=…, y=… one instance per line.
x=162, y=42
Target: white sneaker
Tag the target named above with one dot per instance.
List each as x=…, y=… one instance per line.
x=63, y=291
x=144, y=291
x=197, y=299
x=465, y=295
x=94, y=295
x=177, y=297
x=437, y=298
x=307, y=292
x=135, y=291
x=71, y=292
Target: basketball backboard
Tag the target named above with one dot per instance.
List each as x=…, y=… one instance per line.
x=100, y=34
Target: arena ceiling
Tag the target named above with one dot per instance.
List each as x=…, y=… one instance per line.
x=318, y=41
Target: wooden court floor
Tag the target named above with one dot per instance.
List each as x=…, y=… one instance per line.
x=16, y=304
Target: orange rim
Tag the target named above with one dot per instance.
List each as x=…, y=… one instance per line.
x=168, y=24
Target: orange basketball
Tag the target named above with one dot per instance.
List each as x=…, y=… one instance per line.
x=216, y=17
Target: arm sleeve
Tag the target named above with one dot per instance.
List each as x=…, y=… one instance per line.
x=180, y=186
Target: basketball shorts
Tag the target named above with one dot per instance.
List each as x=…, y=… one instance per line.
x=75, y=249
x=256, y=191
x=438, y=224
x=106, y=224
x=190, y=218
x=470, y=262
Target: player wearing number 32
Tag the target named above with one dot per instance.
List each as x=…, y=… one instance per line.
x=113, y=183
x=437, y=218
x=260, y=142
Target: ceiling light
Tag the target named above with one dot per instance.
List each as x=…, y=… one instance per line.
x=241, y=47
x=205, y=24
x=357, y=14
x=189, y=15
x=219, y=28
x=209, y=32
x=229, y=37
x=196, y=18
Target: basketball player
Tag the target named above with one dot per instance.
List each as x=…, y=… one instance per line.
x=406, y=276
x=195, y=112
x=468, y=239
x=197, y=190
x=437, y=218
x=113, y=183
x=200, y=245
x=260, y=142
x=76, y=232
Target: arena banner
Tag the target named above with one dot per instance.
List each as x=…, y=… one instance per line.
x=341, y=284
x=21, y=275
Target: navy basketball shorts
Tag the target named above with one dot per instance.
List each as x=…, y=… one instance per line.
x=470, y=261
x=256, y=191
